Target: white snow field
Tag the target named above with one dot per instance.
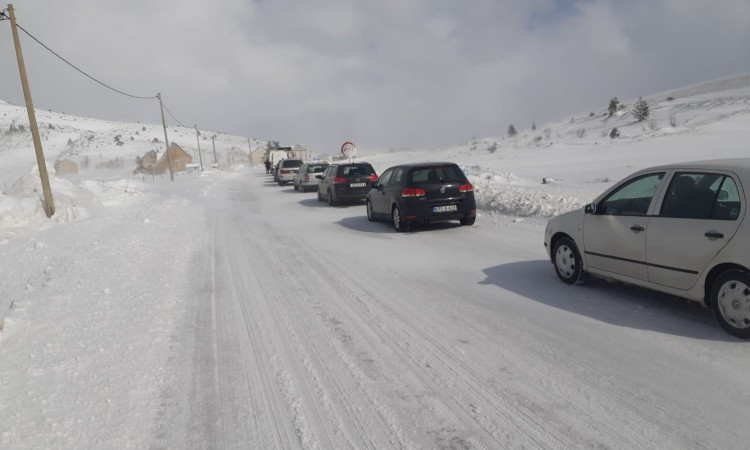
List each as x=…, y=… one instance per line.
x=223, y=311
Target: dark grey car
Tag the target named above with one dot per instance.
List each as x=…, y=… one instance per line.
x=346, y=182
x=421, y=193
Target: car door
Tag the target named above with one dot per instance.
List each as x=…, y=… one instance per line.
x=698, y=215
x=614, y=237
x=326, y=180
x=378, y=194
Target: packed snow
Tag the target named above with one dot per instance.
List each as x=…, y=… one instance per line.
x=221, y=310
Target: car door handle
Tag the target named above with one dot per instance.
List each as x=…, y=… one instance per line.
x=714, y=235
x=637, y=228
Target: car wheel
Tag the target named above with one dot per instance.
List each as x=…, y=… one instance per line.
x=468, y=220
x=331, y=201
x=320, y=197
x=567, y=260
x=398, y=221
x=730, y=302
x=296, y=188
x=370, y=215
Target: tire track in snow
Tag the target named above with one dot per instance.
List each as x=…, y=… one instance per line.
x=338, y=394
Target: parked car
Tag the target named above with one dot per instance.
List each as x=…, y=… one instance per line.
x=288, y=168
x=275, y=171
x=680, y=229
x=345, y=182
x=426, y=192
x=305, y=179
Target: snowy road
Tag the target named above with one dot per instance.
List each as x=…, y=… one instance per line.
x=319, y=329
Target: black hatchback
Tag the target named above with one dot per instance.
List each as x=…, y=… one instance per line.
x=346, y=182
x=422, y=193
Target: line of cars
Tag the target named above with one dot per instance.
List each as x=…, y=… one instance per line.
x=405, y=194
x=679, y=229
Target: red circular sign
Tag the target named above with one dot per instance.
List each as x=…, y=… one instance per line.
x=347, y=146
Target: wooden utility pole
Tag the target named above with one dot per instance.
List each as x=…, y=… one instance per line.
x=200, y=156
x=250, y=155
x=216, y=160
x=49, y=204
x=166, y=139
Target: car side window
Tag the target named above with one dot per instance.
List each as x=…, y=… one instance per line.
x=695, y=195
x=398, y=176
x=383, y=181
x=633, y=197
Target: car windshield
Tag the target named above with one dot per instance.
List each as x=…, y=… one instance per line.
x=316, y=168
x=292, y=163
x=437, y=174
x=356, y=170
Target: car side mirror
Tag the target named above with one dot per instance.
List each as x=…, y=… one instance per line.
x=590, y=208
x=723, y=195
x=375, y=185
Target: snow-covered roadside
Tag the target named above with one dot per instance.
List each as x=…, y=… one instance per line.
x=92, y=306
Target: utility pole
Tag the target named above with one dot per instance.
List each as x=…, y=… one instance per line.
x=200, y=156
x=216, y=160
x=49, y=204
x=166, y=139
x=250, y=155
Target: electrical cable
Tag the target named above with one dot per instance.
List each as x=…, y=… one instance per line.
x=172, y=115
x=81, y=71
x=3, y=16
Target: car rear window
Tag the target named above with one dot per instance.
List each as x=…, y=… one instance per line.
x=292, y=162
x=355, y=170
x=438, y=174
x=316, y=168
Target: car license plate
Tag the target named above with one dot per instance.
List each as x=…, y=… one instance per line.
x=358, y=185
x=444, y=208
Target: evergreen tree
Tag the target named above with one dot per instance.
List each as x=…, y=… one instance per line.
x=641, y=110
x=533, y=126
x=512, y=131
x=613, y=106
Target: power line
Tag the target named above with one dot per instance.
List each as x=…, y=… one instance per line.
x=81, y=71
x=172, y=116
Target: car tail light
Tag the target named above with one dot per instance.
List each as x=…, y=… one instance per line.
x=338, y=180
x=466, y=188
x=373, y=178
x=413, y=192
x=286, y=171
x=306, y=178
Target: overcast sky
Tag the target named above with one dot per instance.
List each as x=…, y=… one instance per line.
x=381, y=73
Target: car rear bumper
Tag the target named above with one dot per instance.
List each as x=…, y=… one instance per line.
x=423, y=212
x=351, y=194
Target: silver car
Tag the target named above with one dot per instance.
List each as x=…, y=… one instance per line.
x=306, y=179
x=287, y=168
x=679, y=229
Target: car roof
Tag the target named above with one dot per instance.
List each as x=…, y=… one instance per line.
x=351, y=164
x=428, y=164
x=710, y=164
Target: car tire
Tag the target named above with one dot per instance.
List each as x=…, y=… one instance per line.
x=331, y=201
x=398, y=222
x=567, y=261
x=468, y=220
x=730, y=302
x=370, y=214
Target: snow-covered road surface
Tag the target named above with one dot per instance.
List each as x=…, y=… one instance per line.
x=319, y=329
x=224, y=311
